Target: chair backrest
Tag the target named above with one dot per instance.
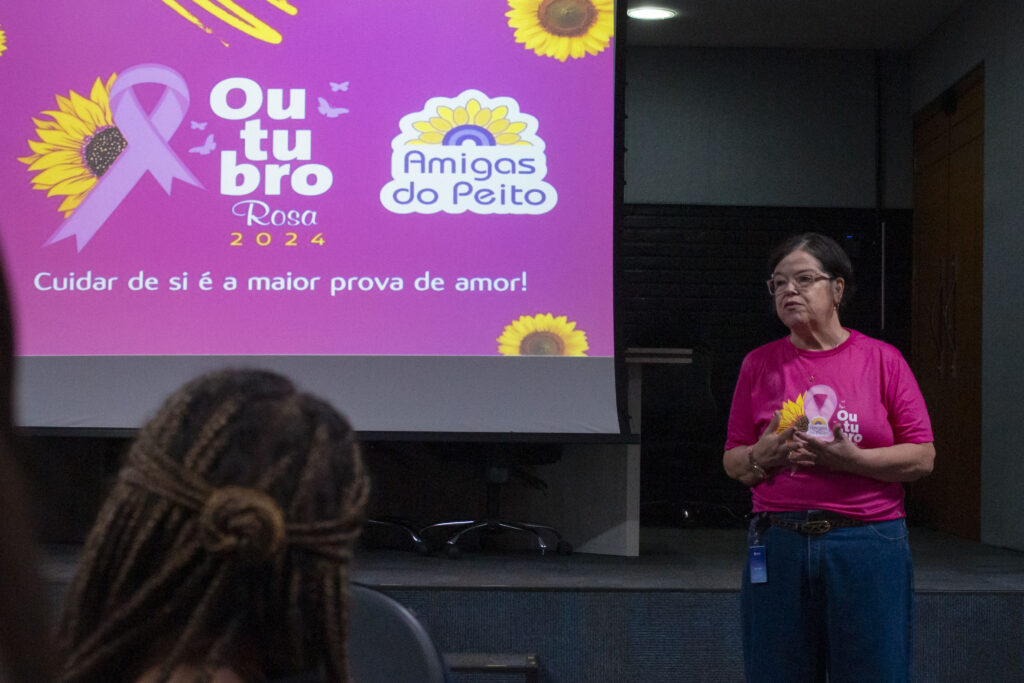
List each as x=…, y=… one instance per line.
x=387, y=644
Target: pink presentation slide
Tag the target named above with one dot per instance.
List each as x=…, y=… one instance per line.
x=308, y=177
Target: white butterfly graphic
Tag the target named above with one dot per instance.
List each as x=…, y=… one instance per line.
x=329, y=111
x=196, y=125
x=206, y=147
x=335, y=87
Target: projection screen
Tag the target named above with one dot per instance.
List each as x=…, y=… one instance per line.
x=406, y=206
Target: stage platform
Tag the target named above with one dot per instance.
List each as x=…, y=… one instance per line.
x=672, y=613
x=674, y=560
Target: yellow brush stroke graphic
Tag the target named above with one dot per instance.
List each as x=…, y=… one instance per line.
x=236, y=16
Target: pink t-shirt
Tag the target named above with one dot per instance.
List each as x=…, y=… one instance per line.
x=864, y=385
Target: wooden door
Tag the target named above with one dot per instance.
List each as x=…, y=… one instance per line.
x=946, y=309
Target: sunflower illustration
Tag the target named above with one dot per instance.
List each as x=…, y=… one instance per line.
x=471, y=123
x=563, y=28
x=3, y=41
x=542, y=335
x=76, y=145
x=793, y=416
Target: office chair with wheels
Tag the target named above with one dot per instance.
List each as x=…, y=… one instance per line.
x=500, y=462
x=387, y=643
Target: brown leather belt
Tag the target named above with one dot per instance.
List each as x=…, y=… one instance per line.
x=819, y=524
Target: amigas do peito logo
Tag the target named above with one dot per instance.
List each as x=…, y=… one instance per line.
x=468, y=153
x=95, y=150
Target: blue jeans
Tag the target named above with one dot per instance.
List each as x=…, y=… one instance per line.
x=839, y=603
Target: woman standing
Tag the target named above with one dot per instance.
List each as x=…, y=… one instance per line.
x=825, y=426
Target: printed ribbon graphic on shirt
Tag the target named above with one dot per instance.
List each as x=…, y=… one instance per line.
x=819, y=404
x=147, y=149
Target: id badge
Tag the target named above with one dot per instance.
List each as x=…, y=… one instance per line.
x=758, y=565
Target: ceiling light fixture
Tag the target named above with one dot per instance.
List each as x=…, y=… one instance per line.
x=651, y=13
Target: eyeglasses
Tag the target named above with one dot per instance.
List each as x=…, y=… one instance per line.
x=803, y=281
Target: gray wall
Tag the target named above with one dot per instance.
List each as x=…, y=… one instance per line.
x=992, y=31
x=764, y=127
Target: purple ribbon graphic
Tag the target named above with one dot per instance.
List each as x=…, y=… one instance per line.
x=819, y=404
x=147, y=149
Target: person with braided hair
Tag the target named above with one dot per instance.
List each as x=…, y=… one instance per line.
x=223, y=550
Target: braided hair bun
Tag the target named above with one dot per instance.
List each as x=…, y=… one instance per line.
x=243, y=522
